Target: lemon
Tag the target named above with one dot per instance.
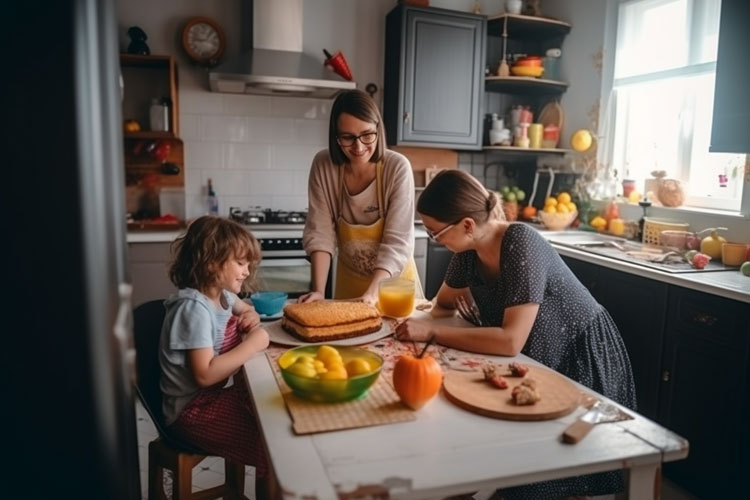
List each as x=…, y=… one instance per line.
x=550, y=209
x=550, y=202
x=581, y=140
x=563, y=197
x=562, y=208
x=572, y=206
x=357, y=366
x=326, y=354
x=339, y=374
x=303, y=369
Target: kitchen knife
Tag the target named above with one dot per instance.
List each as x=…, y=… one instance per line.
x=600, y=412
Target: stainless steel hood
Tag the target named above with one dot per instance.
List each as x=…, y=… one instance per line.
x=276, y=64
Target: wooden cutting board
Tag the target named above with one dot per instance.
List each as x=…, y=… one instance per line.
x=471, y=391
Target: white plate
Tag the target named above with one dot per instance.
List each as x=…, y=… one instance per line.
x=280, y=336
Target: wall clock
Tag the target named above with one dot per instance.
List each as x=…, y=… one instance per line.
x=203, y=40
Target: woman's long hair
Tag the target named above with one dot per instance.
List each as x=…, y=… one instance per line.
x=453, y=195
x=206, y=246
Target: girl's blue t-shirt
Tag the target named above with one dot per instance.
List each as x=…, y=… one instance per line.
x=192, y=322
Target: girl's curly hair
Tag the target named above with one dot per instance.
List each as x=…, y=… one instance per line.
x=207, y=245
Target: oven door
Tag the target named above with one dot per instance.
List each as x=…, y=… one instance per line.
x=292, y=275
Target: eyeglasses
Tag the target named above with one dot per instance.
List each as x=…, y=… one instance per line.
x=435, y=236
x=348, y=139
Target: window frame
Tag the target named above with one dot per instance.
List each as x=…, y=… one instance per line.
x=606, y=153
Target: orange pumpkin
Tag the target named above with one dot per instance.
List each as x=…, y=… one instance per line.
x=417, y=380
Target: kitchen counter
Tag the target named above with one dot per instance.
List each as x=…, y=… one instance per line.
x=730, y=284
x=170, y=236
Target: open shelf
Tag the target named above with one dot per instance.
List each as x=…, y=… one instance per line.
x=527, y=27
x=523, y=85
x=529, y=151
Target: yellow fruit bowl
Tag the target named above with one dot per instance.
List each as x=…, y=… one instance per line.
x=329, y=374
x=557, y=221
x=533, y=71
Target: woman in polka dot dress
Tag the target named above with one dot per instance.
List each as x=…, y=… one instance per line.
x=529, y=302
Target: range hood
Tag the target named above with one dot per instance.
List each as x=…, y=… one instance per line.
x=276, y=65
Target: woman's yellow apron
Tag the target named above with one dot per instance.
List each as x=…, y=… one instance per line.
x=358, y=246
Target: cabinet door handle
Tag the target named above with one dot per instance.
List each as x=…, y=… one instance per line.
x=665, y=376
x=406, y=117
x=704, y=319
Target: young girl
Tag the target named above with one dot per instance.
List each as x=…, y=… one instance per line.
x=529, y=302
x=202, y=345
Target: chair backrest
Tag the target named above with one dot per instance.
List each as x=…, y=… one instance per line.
x=147, y=324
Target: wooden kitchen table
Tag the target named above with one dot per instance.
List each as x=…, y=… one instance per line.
x=447, y=450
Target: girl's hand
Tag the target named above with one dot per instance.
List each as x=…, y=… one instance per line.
x=311, y=297
x=414, y=329
x=248, y=320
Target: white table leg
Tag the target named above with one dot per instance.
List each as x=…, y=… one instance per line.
x=644, y=482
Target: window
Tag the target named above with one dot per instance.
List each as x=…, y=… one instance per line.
x=662, y=98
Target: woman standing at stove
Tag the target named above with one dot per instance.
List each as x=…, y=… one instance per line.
x=361, y=203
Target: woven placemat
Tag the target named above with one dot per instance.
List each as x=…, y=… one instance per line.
x=381, y=405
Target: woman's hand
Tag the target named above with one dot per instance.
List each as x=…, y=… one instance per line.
x=311, y=297
x=414, y=329
x=369, y=298
x=248, y=320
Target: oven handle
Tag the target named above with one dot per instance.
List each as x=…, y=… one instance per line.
x=283, y=262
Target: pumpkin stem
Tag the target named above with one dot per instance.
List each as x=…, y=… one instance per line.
x=426, y=346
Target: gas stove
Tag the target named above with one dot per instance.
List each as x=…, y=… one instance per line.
x=279, y=232
x=266, y=217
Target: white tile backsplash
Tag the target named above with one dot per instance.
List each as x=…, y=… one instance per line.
x=271, y=130
x=246, y=105
x=203, y=155
x=257, y=150
x=225, y=128
x=189, y=129
x=311, y=131
x=312, y=109
x=296, y=157
x=247, y=156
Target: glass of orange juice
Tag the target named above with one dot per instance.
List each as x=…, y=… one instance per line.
x=396, y=297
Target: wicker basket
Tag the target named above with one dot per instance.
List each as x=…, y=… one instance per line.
x=652, y=227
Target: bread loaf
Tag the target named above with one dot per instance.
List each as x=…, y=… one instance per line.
x=330, y=320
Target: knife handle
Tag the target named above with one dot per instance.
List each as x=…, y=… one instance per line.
x=576, y=431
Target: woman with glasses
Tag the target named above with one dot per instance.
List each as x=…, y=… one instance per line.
x=528, y=301
x=361, y=203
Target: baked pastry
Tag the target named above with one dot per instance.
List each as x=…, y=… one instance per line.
x=330, y=320
x=525, y=393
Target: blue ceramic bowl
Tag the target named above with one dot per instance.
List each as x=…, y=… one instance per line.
x=268, y=303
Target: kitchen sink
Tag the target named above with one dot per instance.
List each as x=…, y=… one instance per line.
x=629, y=251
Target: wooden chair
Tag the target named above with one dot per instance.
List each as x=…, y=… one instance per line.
x=167, y=452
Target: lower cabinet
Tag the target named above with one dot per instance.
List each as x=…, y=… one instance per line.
x=690, y=353
x=149, y=271
x=706, y=389
x=638, y=306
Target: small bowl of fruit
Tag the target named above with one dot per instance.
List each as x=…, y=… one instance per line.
x=329, y=374
x=559, y=212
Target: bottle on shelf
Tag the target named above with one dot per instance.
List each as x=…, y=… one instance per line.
x=159, y=115
x=213, y=201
